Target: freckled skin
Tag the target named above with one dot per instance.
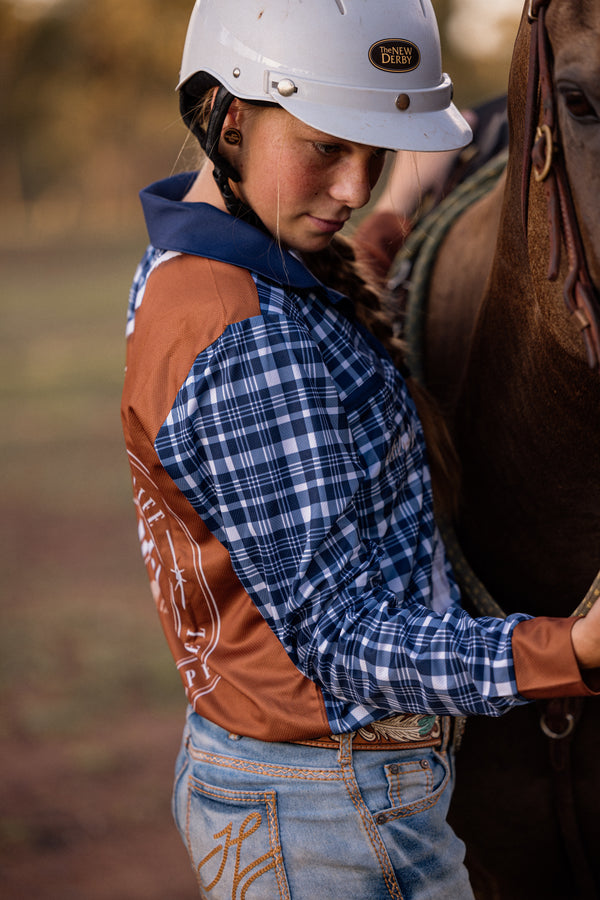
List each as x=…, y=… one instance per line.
x=303, y=184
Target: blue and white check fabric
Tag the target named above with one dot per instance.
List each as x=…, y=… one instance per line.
x=297, y=443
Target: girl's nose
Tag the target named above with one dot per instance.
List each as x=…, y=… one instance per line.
x=353, y=183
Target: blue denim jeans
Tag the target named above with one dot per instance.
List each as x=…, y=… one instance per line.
x=267, y=821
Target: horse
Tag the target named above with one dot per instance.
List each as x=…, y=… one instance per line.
x=510, y=349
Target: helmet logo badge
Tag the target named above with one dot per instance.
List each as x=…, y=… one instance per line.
x=395, y=55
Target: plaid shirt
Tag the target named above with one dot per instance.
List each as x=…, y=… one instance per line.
x=297, y=443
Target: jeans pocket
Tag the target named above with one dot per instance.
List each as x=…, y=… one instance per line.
x=423, y=849
x=233, y=842
x=417, y=784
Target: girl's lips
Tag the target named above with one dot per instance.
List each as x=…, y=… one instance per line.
x=328, y=226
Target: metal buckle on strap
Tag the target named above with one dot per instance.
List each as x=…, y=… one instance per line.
x=538, y=4
x=569, y=722
x=544, y=135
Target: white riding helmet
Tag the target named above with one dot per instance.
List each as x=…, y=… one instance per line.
x=367, y=71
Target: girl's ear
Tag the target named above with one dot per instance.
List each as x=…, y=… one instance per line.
x=231, y=137
x=234, y=116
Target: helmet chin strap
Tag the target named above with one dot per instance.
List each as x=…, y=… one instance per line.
x=223, y=172
x=233, y=204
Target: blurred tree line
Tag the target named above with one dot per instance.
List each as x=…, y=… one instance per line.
x=89, y=114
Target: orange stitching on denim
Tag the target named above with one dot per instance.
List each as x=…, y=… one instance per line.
x=254, y=820
x=377, y=844
x=253, y=878
x=396, y=772
x=421, y=805
x=270, y=769
x=270, y=799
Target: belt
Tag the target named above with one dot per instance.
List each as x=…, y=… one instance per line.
x=400, y=732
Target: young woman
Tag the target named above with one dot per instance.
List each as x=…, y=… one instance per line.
x=281, y=480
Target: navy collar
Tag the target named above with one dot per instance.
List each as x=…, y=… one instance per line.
x=203, y=230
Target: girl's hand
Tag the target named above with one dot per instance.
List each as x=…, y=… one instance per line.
x=585, y=636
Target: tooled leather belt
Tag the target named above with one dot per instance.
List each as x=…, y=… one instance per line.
x=400, y=732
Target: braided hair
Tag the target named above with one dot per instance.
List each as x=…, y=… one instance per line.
x=337, y=267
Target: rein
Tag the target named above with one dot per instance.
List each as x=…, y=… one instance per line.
x=547, y=159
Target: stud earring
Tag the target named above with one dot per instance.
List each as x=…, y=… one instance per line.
x=232, y=136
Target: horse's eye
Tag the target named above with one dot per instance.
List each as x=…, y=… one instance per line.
x=578, y=104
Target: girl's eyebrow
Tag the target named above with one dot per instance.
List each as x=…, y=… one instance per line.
x=322, y=137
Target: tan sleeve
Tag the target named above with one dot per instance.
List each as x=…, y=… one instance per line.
x=545, y=663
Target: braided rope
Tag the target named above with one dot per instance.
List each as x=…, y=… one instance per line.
x=589, y=599
x=421, y=247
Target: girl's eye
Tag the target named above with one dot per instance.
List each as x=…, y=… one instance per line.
x=327, y=149
x=578, y=104
x=332, y=149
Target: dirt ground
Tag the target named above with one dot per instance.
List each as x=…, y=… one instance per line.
x=89, y=818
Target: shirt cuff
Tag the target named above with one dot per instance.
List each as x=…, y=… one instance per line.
x=545, y=663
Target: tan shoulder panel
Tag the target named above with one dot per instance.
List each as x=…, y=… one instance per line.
x=188, y=303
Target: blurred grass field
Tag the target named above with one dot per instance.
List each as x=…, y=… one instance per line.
x=80, y=639
x=92, y=706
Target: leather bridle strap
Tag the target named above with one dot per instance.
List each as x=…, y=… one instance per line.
x=547, y=159
x=559, y=717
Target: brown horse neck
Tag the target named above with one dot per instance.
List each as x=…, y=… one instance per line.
x=460, y=281
x=540, y=232
x=527, y=416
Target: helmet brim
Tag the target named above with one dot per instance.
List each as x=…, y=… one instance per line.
x=444, y=129
x=425, y=120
